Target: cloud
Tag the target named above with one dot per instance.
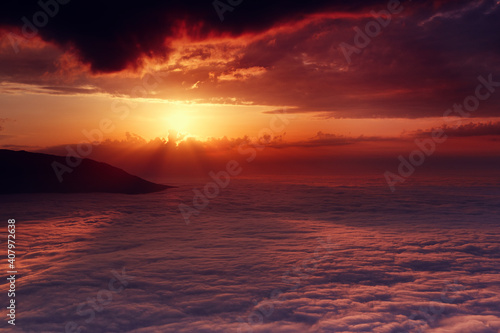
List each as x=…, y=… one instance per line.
x=264, y=237
x=292, y=51
x=468, y=130
x=16, y=88
x=18, y=147
x=457, y=13
x=329, y=140
x=3, y=121
x=306, y=71
x=181, y=155
x=469, y=323
x=118, y=35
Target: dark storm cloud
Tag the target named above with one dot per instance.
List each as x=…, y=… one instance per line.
x=114, y=34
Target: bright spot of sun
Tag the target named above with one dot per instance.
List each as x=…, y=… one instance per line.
x=179, y=121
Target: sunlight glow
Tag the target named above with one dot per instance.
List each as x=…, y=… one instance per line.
x=179, y=121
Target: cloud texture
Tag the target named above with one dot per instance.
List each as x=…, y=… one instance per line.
x=341, y=258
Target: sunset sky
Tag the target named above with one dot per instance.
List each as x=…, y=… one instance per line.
x=251, y=165
x=204, y=75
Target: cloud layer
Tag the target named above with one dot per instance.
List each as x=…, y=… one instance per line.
x=468, y=148
x=335, y=257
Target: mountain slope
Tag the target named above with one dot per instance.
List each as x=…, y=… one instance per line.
x=25, y=172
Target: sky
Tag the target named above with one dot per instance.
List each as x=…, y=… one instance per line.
x=313, y=82
x=321, y=109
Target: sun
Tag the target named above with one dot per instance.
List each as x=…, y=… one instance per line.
x=179, y=121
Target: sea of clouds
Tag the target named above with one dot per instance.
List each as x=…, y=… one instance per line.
x=264, y=256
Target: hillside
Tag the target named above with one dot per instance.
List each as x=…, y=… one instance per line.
x=25, y=172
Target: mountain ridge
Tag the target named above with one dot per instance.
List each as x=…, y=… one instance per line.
x=28, y=172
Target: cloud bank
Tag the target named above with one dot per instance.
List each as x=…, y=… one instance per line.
x=341, y=258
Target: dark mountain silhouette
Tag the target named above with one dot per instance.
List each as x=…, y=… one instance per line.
x=25, y=172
